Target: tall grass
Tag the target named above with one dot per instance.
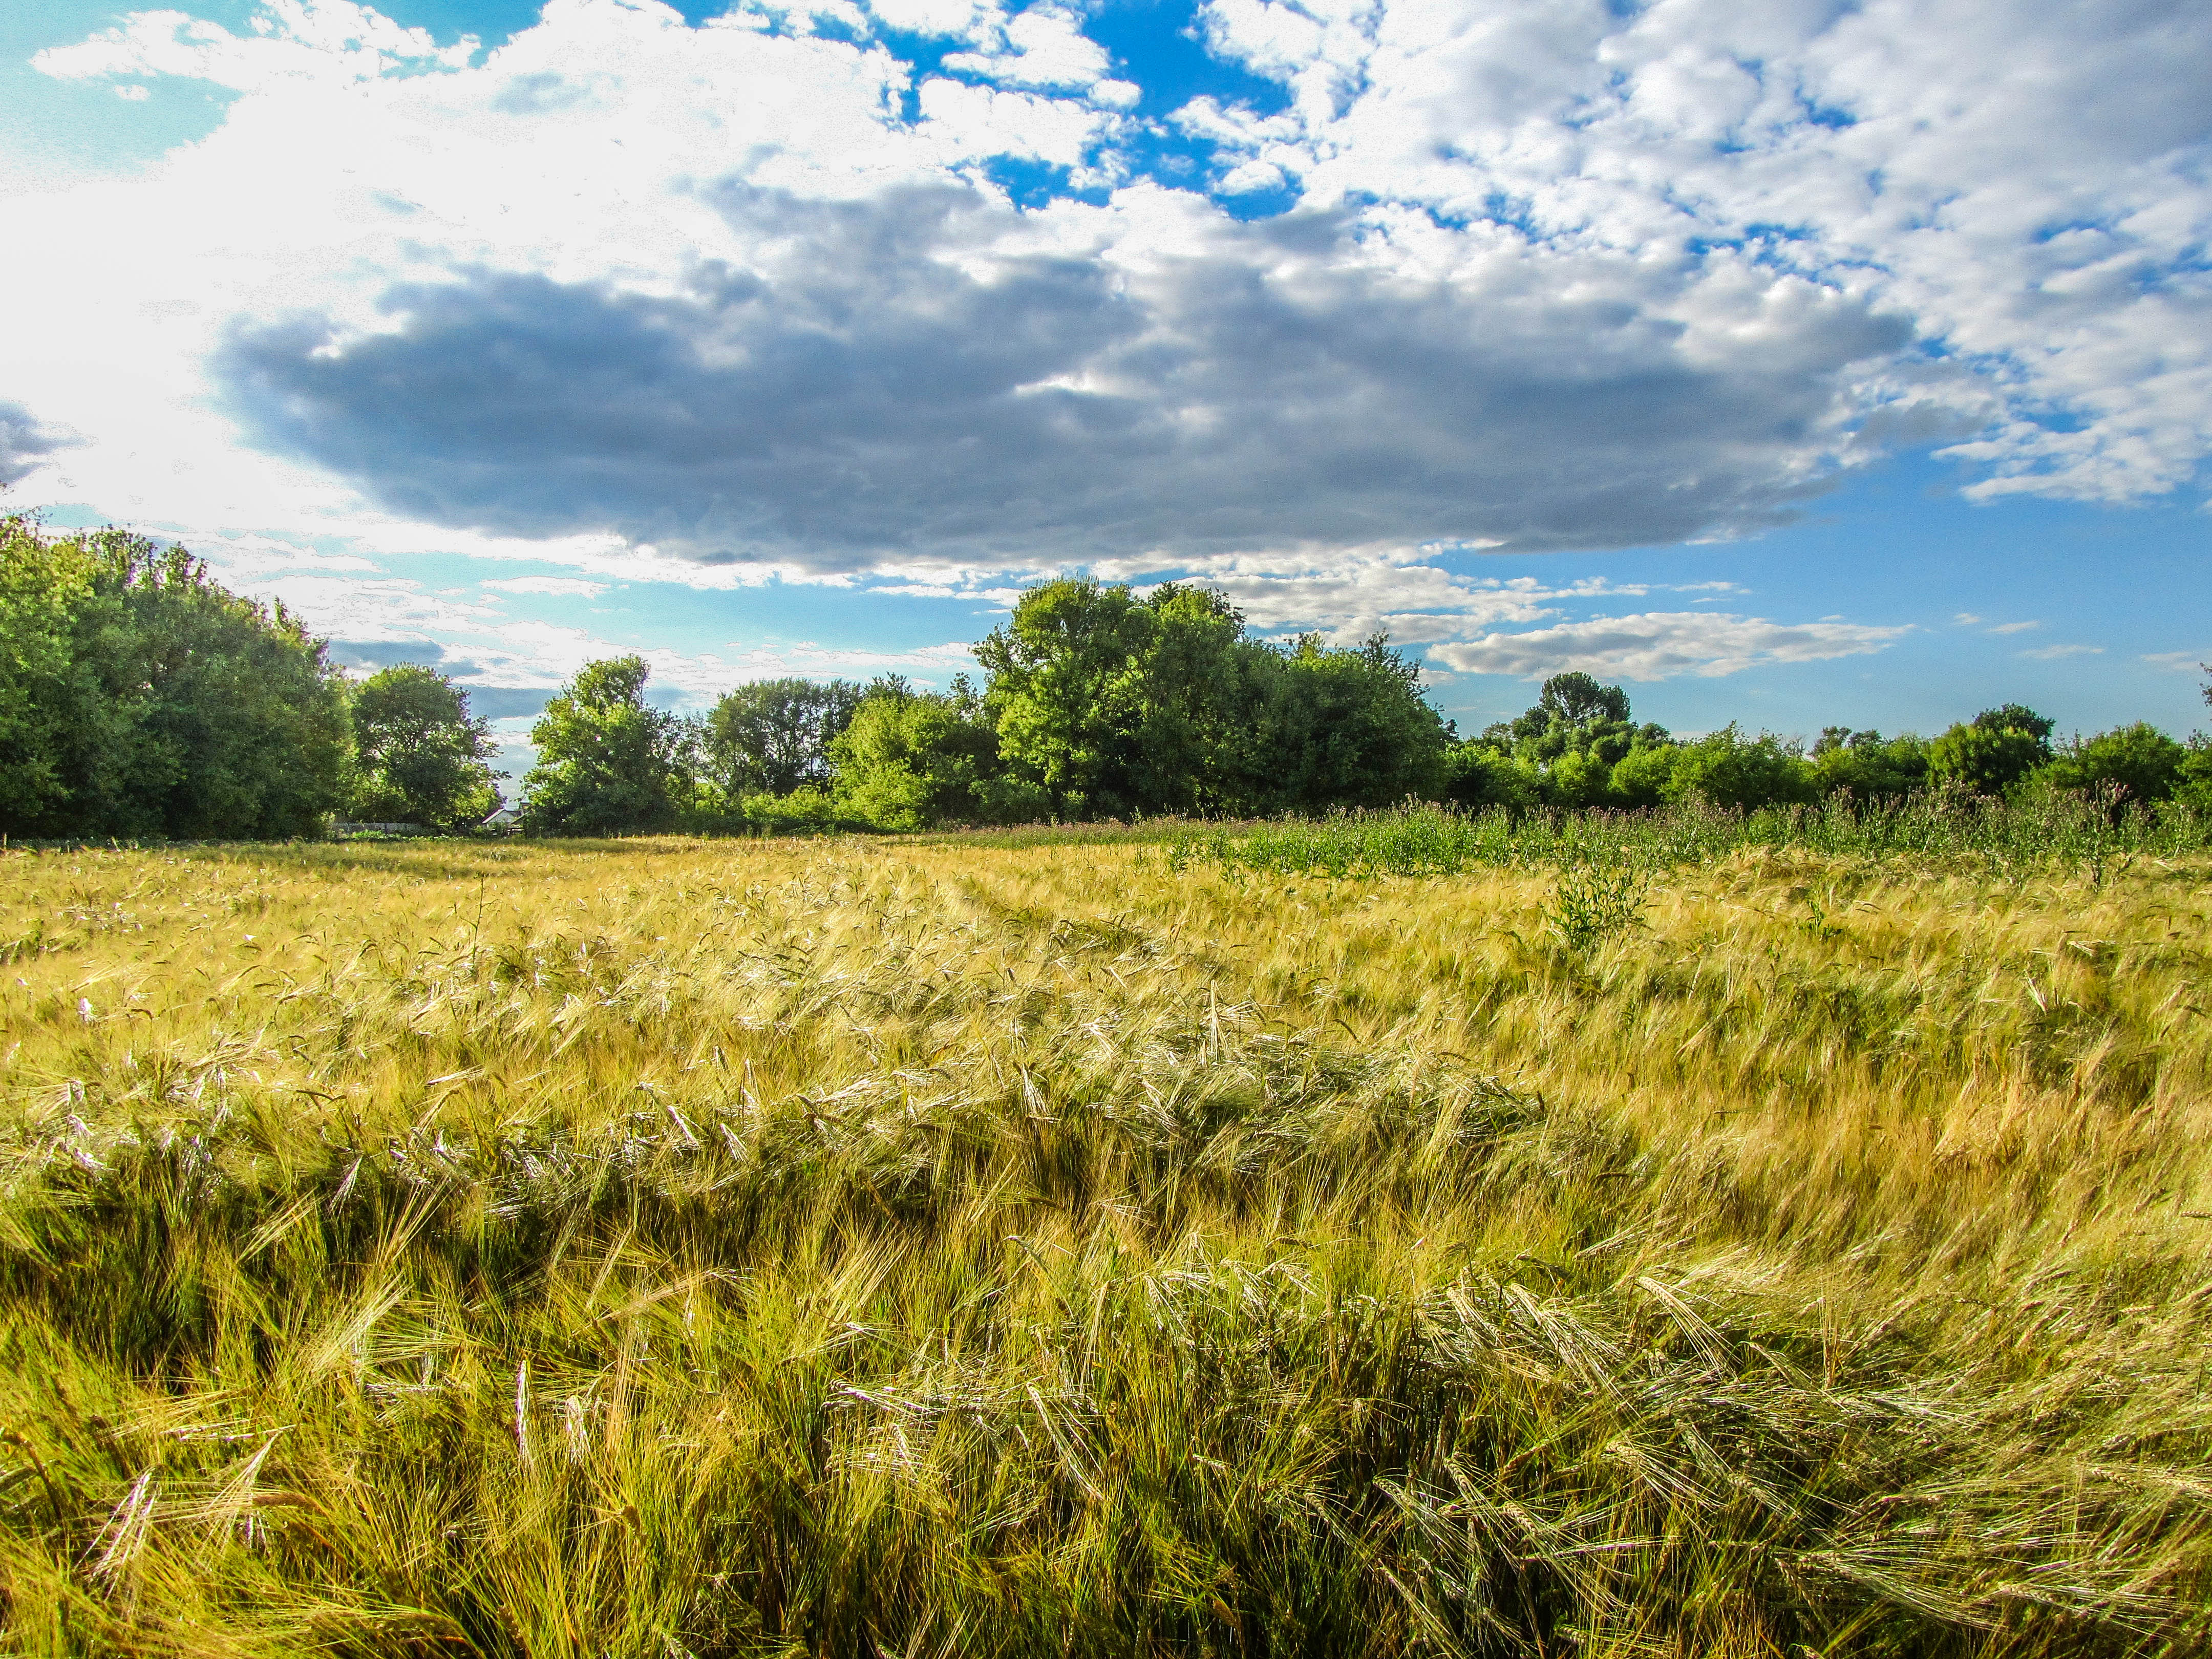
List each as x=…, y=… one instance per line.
x=736, y=1249
x=2049, y=831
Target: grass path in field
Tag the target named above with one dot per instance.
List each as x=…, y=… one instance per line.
x=664, y=1248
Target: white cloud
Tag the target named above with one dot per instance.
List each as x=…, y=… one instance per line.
x=2015, y=628
x=2057, y=653
x=804, y=659
x=1043, y=46
x=559, y=586
x=2028, y=183
x=319, y=42
x=1662, y=645
x=662, y=303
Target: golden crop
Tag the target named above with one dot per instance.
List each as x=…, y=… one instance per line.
x=671, y=1247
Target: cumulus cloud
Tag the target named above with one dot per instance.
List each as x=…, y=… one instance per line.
x=2027, y=182
x=894, y=373
x=1659, y=645
x=755, y=298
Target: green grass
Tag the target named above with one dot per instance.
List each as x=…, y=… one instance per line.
x=1997, y=838
x=670, y=1247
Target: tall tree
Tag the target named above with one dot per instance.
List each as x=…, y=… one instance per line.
x=1345, y=727
x=418, y=755
x=912, y=759
x=164, y=705
x=608, y=762
x=1993, y=751
x=1067, y=693
x=2135, y=764
x=1577, y=744
x=775, y=735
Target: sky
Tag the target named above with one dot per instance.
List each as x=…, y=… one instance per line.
x=1789, y=363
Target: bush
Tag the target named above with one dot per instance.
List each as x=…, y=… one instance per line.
x=2139, y=762
x=138, y=697
x=1728, y=768
x=1993, y=751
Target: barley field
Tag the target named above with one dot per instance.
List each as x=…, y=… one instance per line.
x=965, y=1248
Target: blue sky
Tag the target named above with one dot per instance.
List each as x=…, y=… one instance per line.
x=1795, y=363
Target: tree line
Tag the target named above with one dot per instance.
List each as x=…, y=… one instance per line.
x=140, y=699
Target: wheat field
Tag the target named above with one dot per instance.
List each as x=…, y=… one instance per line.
x=677, y=1248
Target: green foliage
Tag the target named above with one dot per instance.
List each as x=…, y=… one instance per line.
x=1478, y=775
x=1642, y=776
x=419, y=758
x=1729, y=768
x=915, y=760
x=1868, y=765
x=2192, y=785
x=1575, y=747
x=772, y=737
x=1593, y=902
x=1341, y=728
x=139, y=698
x=1067, y=693
x=2041, y=831
x=609, y=763
x=48, y=698
x=1993, y=751
x=1111, y=706
x=2130, y=764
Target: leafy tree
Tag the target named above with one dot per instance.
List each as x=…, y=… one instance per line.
x=1576, y=738
x=609, y=762
x=1872, y=767
x=418, y=756
x=1067, y=693
x=1479, y=774
x=48, y=700
x=1339, y=727
x=1110, y=705
x=1578, y=699
x=1731, y=768
x=138, y=697
x=1643, y=777
x=911, y=760
x=1993, y=751
x=2139, y=761
x=774, y=736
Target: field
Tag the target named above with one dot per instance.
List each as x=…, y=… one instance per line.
x=1101, y=1249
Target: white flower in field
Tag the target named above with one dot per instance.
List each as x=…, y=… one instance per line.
x=84, y=1009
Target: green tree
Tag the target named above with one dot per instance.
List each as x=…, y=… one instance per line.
x=1479, y=775
x=1067, y=693
x=1871, y=767
x=914, y=760
x=1578, y=738
x=1344, y=727
x=1728, y=768
x=2140, y=762
x=774, y=736
x=419, y=758
x=1993, y=751
x=49, y=703
x=608, y=762
x=1642, y=776
x=139, y=697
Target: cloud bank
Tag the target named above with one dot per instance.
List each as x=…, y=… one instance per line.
x=789, y=292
